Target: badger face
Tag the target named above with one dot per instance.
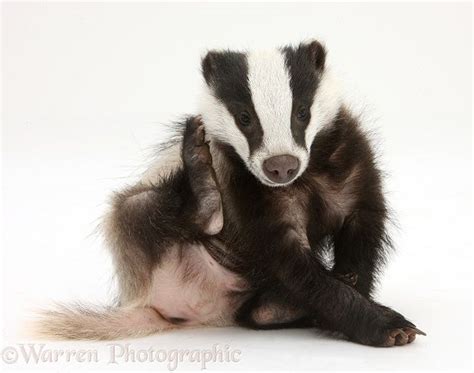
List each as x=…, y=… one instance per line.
x=269, y=105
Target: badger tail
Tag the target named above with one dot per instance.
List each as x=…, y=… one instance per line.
x=79, y=322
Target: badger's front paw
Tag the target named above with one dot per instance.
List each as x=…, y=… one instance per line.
x=348, y=278
x=207, y=214
x=389, y=329
x=400, y=337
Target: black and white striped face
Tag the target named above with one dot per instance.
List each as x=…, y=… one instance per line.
x=269, y=105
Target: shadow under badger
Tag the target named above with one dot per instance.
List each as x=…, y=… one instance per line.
x=231, y=227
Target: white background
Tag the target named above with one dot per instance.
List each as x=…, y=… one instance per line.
x=88, y=88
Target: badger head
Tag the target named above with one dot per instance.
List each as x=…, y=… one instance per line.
x=269, y=106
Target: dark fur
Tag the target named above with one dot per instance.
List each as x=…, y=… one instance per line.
x=227, y=73
x=264, y=253
x=262, y=244
x=305, y=65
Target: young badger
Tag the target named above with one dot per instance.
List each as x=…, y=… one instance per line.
x=240, y=240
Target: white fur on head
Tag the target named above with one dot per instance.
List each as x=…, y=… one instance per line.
x=327, y=102
x=220, y=124
x=269, y=84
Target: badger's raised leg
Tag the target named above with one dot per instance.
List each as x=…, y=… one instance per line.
x=197, y=161
x=146, y=220
x=146, y=224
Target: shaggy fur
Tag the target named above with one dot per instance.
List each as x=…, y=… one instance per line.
x=213, y=241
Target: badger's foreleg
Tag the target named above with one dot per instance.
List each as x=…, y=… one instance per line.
x=272, y=307
x=360, y=247
x=302, y=280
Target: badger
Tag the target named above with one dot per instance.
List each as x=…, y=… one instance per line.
x=232, y=226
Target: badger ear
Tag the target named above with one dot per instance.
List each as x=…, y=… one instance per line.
x=209, y=66
x=317, y=54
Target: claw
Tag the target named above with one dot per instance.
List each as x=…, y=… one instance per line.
x=418, y=331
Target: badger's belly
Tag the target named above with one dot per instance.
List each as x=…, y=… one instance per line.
x=191, y=288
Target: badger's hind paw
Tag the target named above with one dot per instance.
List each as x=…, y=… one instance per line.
x=196, y=149
x=208, y=215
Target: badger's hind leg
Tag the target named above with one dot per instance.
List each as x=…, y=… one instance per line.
x=146, y=219
x=197, y=162
x=142, y=226
x=136, y=235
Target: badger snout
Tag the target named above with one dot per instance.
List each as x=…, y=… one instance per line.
x=281, y=168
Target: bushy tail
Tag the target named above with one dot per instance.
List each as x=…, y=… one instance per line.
x=98, y=323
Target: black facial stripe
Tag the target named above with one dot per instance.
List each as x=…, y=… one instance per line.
x=304, y=81
x=229, y=78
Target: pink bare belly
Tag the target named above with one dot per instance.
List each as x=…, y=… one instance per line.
x=191, y=288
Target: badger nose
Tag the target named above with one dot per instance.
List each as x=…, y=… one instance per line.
x=281, y=168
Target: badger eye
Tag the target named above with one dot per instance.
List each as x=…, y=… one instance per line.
x=302, y=113
x=244, y=119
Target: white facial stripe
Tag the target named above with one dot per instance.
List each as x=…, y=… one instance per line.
x=269, y=84
x=326, y=104
x=220, y=124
